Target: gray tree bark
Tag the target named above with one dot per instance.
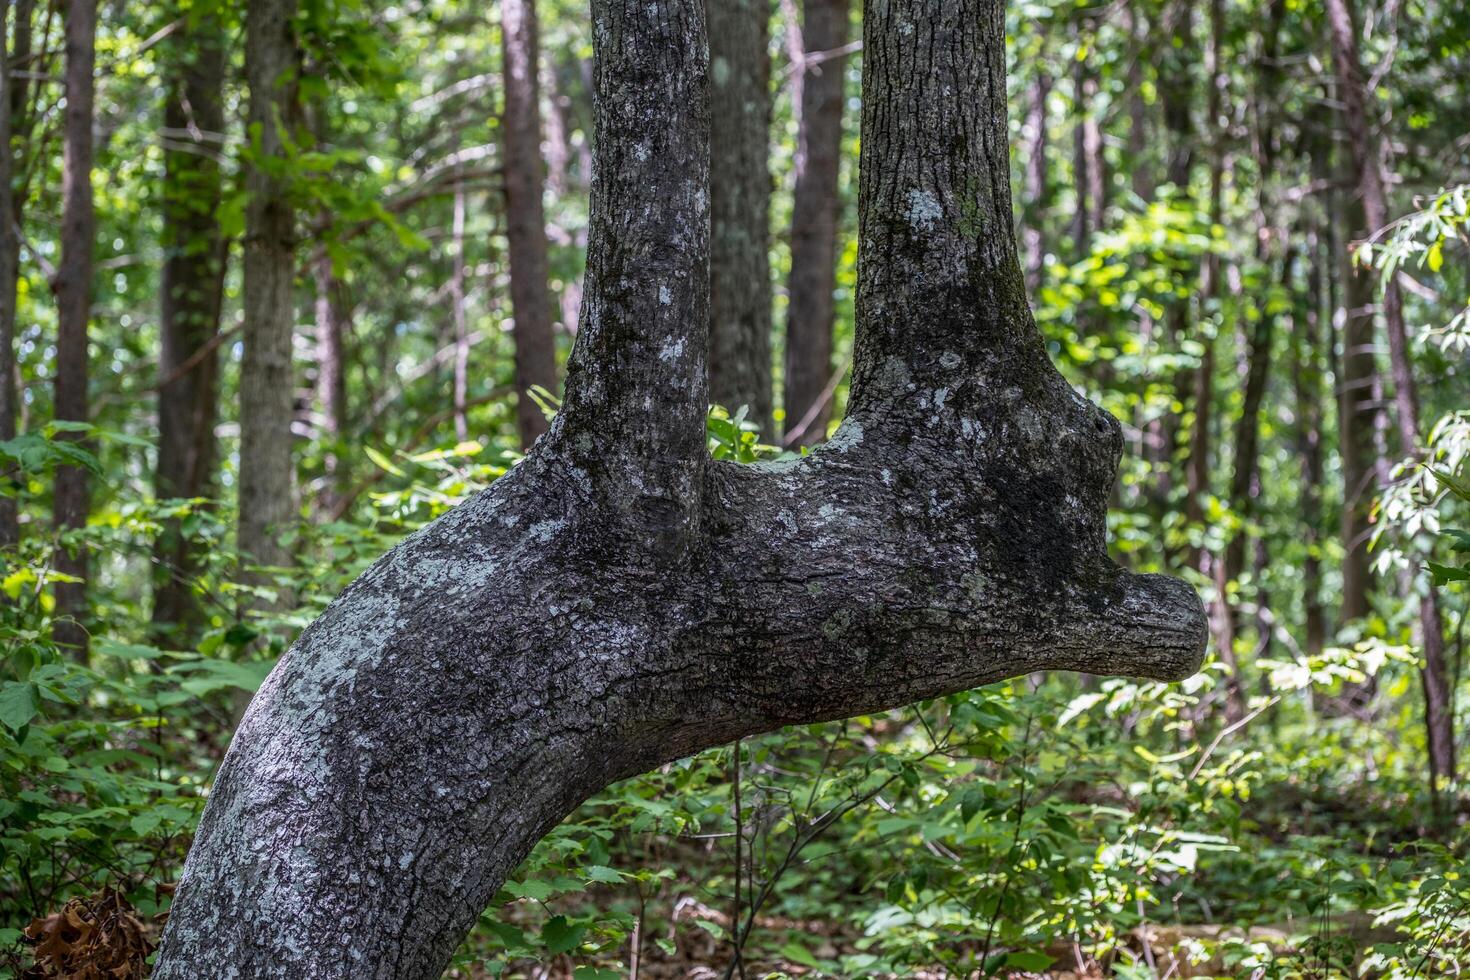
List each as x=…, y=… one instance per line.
x=525, y=216
x=267, y=382
x=72, y=285
x=815, y=208
x=192, y=287
x=619, y=599
x=740, y=205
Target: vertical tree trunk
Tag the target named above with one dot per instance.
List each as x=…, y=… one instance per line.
x=1034, y=189
x=740, y=205
x=461, y=324
x=1176, y=88
x=191, y=290
x=811, y=310
x=1257, y=358
x=267, y=383
x=73, y=289
x=9, y=276
x=1357, y=412
x=535, y=346
x=1089, y=170
x=1368, y=161
x=330, y=313
x=1307, y=387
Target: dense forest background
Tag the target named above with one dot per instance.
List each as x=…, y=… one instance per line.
x=281, y=281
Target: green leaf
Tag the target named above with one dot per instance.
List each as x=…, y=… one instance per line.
x=603, y=874
x=127, y=651
x=1031, y=962
x=1445, y=574
x=799, y=954
x=17, y=704
x=561, y=936
x=1459, y=486
x=383, y=462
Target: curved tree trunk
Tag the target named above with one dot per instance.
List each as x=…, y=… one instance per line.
x=525, y=216
x=740, y=205
x=619, y=599
x=191, y=290
x=73, y=288
x=815, y=209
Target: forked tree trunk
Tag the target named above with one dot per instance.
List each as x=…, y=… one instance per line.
x=525, y=216
x=620, y=600
x=815, y=208
x=191, y=289
x=740, y=204
x=267, y=381
x=73, y=288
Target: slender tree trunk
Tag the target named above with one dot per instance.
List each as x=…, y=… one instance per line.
x=73, y=289
x=330, y=312
x=1176, y=96
x=9, y=277
x=461, y=322
x=1089, y=170
x=1035, y=195
x=740, y=205
x=267, y=382
x=535, y=346
x=1367, y=158
x=1357, y=419
x=191, y=290
x=610, y=605
x=1306, y=348
x=811, y=309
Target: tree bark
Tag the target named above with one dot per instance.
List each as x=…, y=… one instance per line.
x=1367, y=159
x=619, y=599
x=811, y=307
x=191, y=289
x=1307, y=373
x=73, y=288
x=740, y=205
x=1035, y=196
x=267, y=381
x=461, y=321
x=535, y=346
x=9, y=277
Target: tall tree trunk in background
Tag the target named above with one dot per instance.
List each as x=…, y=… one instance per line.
x=330, y=312
x=1089, y=170
x=460, y=318
x=1256, y=367
x=267, y=383
x=1176, y=93
x=1367, y=155
x=1307, y=373
x=740, y=206
x=191, y=289
x=1357, y=417
x=9, y=278
x=525, y=232
x=620, y=600
x=1034, y=188
x=73, y=289
x=815, y=209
